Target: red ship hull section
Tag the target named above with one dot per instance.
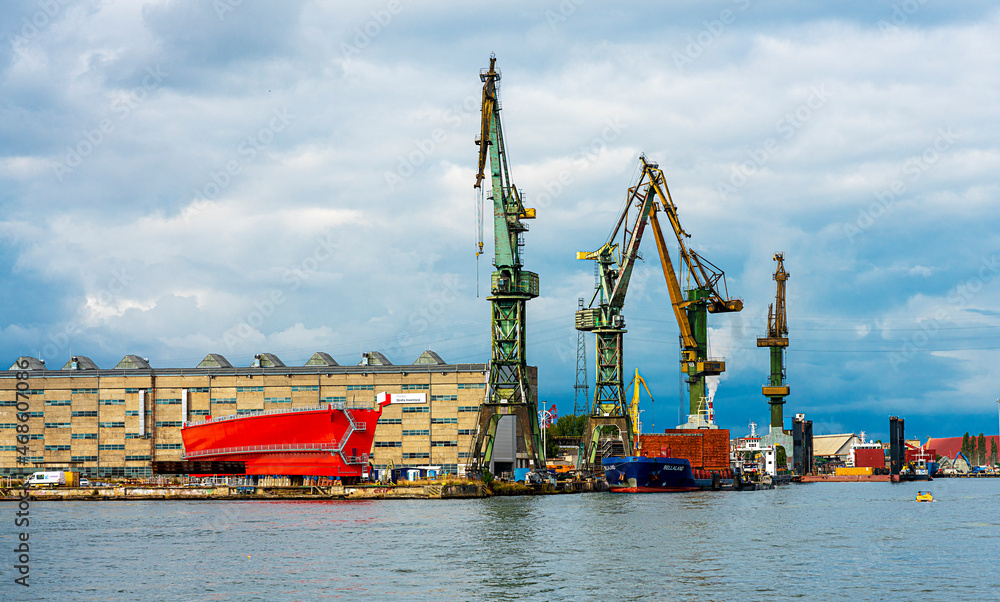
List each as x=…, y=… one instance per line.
x=314, y=442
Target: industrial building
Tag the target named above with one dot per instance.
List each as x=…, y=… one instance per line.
x=117, y=422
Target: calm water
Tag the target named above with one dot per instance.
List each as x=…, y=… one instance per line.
x=819, y=541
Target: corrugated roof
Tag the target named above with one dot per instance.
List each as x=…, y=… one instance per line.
x=833, y=445
x=321, y=358
x=950, y=446
x=80, y=362
x=267, y=360
x=33, y=363
x=132, y=362
x=429, y=357
x=214, y=360
x=374, y=358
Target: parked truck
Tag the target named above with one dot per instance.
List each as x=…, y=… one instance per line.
x=53, y=479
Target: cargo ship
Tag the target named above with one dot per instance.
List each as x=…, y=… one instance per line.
x=640, y=474
x=331, y=440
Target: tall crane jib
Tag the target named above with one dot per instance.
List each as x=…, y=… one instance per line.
x=777, y=340
x=509, y=394
x=706, y=293
x=609, y=415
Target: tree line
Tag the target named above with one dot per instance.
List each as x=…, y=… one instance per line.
x=975, y=449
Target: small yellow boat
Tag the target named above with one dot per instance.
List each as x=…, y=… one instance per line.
x=924, y=496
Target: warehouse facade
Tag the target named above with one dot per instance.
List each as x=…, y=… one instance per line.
x=117, y=422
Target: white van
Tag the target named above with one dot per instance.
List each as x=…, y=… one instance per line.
x=46, y=479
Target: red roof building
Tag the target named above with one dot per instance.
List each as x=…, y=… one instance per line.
x=950, y=446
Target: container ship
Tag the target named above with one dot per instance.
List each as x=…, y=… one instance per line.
x=332, y=440
x=639, y=474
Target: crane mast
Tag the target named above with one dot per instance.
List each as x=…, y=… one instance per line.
x=706, y=294
x=777, y=340
x=508, y=392
x=615, y=262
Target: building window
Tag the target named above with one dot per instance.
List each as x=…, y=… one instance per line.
x=58, y=402
x=169, y=446
x=471, y=385
x=199, y=412
x=84, y=458
x=277, y=400
x=56, y=448
x=416, y=433
x=84, y=392
x=360, y=387
x=466, y=431
x=390, y=421
x=111, y=425
x=112, y=402
x=168, y=402
x=112, y=447
x=198, y=390
x=305, y=388
x=388, y=444
x=333, y=399
x=444, y=420
x=416, y=456
x=84, y=414
x=249, y=389
x=133, y=390
x=415, y=387
x=444, y=443
x=57, y=425
x=444, y=397
x=131, y=412
x=83, y=436
x=468, y=408
x=168, y=424
x=416, y=410
x=36, y=414
x=34, y=391
x=223, y=400
x=135, y=436
x=137, y=458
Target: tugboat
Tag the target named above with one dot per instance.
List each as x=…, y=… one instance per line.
x=639, y=474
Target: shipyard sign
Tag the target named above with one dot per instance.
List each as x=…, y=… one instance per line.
x=387, y=398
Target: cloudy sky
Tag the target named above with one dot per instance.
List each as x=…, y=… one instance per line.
x=236, y=177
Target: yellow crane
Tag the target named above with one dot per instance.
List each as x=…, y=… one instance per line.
x=634, y=406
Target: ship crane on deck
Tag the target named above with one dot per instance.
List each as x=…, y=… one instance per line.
x=508, y=392
x=615, y=261
x=706, y=294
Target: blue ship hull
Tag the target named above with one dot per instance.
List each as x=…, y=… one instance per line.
x=638, y=474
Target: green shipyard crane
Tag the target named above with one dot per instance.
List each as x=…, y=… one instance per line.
x=615, y=261
x=777, y=340
x=508, y=392
x=706, y=293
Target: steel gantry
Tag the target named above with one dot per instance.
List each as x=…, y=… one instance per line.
x=509, y=391
x=615, y=261
x=706, y=293
x=777, y=339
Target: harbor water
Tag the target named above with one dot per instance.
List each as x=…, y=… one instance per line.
x=817, y=541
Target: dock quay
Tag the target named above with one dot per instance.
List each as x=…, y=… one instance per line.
x=432, y=490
